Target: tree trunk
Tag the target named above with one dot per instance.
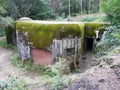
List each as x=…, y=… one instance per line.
x=69, y=11
x=81, y=7
x=89, y=6
x=99, y=5
x=74, y=7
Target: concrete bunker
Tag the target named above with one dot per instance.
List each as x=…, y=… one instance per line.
x=46, y=42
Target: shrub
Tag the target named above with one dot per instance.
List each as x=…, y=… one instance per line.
x=112, y=9
x=2, y=32
x=4, y=21
x=110, y=41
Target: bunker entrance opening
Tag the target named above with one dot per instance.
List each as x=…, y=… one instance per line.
x=89, y=44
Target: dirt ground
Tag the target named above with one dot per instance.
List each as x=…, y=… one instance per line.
x=7, y=69
x=88, y=61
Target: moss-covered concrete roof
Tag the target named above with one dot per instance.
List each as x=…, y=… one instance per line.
x=41, y=33
x=50, y=22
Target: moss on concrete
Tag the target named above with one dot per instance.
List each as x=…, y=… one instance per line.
x=91, y=27
x=41, y=35
x=9, y=30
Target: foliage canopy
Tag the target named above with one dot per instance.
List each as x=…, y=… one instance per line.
x=112, y=9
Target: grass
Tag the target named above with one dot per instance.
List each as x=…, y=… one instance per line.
x=4, y=44
x=53, y=80
x=12, y=83
x=34, y=68
x=94, y=19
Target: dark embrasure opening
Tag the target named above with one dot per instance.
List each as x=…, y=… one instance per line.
x=89, y=44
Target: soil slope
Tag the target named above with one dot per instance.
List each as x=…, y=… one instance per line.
x=104, y=76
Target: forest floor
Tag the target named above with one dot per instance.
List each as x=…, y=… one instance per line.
x=88, y=61
x=8, y=70
x=79, y=17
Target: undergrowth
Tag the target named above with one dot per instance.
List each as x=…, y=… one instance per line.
x=2, y=32
x=35, y=68
x=52, y=79
x=4, y=44
x=13, y=83
x=110, y=43
x=94, y=19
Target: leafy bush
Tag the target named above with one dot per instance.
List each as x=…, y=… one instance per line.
x=41, y=9
x=4, y=21
x=110, y=41
x=112, y=9
x=2, y=32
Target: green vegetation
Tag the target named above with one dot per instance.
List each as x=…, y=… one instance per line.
x=51, y=76
x=4, y=44
x=41, y=9
x=94, y=19
x=60, y=82
x=47, y=9
x=110, y=43
x=2, y=32
x=10, y=30
x=112, y=9
x=35, y=68
x=12, y=83
x=90, y=28
x=3, y=23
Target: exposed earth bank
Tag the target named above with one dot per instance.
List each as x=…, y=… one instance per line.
x=104, y=76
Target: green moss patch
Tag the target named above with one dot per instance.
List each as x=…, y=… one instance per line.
x=41, y=35
x=91, y=27
x=9, y=31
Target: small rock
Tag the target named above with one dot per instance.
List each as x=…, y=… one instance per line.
x=101, y=80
